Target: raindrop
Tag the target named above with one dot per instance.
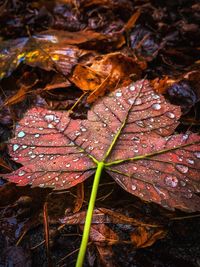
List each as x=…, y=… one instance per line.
x=75, y=159
x=37, y=135
x=182, y=168
x=189, y=195
x=171, y=181
x=197, y=154
x=156, y=106
x=56, y=178
x=68, y=165
x=49, y=117
x=77, y=176
x=144, y=145
x=50, y=126
x=41, y=128
x=24, y=146
x=132, y=88
x=135, y=150
x=183, y=183
x=33, y=156
x=140, y=123
x=90, y=147
x=21, y=173
x=71, y=143
x=106, y=109
x=185, y=137
x=32, y=147
x=133, y=187
x=118, y=94
x=83, y=129
x=77, y=133
x=96, y=142
x=15, y=147
x=131, y=101
x=180, y=158
x=190, y=161
x=155, y=96
x=134, y=168
x=170, y=115
x=21, y=134
x=41, y=185
x=104, y=125
x=15, y=158
x=138, y=101
x=41, y=155
x=136, y=139
x=30, y=152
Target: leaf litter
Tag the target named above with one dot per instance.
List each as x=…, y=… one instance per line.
x=156, y=54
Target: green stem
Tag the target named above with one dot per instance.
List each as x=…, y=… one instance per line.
x=88, y=220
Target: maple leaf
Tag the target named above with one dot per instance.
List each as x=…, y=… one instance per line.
x=127, y=133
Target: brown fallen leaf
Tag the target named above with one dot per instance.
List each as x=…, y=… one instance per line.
x=160, y=85
x=102, y=233
x=106, y=72
x=144, y=237
x=79, y=197
x=131, y=22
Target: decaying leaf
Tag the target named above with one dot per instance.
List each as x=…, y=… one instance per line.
x=127, y=133
x=49, y=50
x=107, y=72
x=79, y=197
x=102, y=233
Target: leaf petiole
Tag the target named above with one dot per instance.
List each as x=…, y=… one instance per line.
x=88, y=220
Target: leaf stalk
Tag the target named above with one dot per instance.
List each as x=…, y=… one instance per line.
x=88, y=220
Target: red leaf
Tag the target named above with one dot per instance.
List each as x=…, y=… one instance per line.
x=129, y=131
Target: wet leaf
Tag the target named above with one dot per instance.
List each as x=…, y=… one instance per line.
x=128, y=133
x=106, y=72
x=160, y=85
x=49, y=50
x=79, y=198
x=144, y=237
x=102, y=233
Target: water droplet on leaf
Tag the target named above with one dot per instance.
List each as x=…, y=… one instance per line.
x=118, y=94
x=21, y=134
x=21, y=173
x=190, y=161
x=15, y=147
x=133, y=187
x=132, y=88
x=182, y=168
x=156, y=106
x=171, y=181
x=170, y=115
x=197, y=154
x=138, y=101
